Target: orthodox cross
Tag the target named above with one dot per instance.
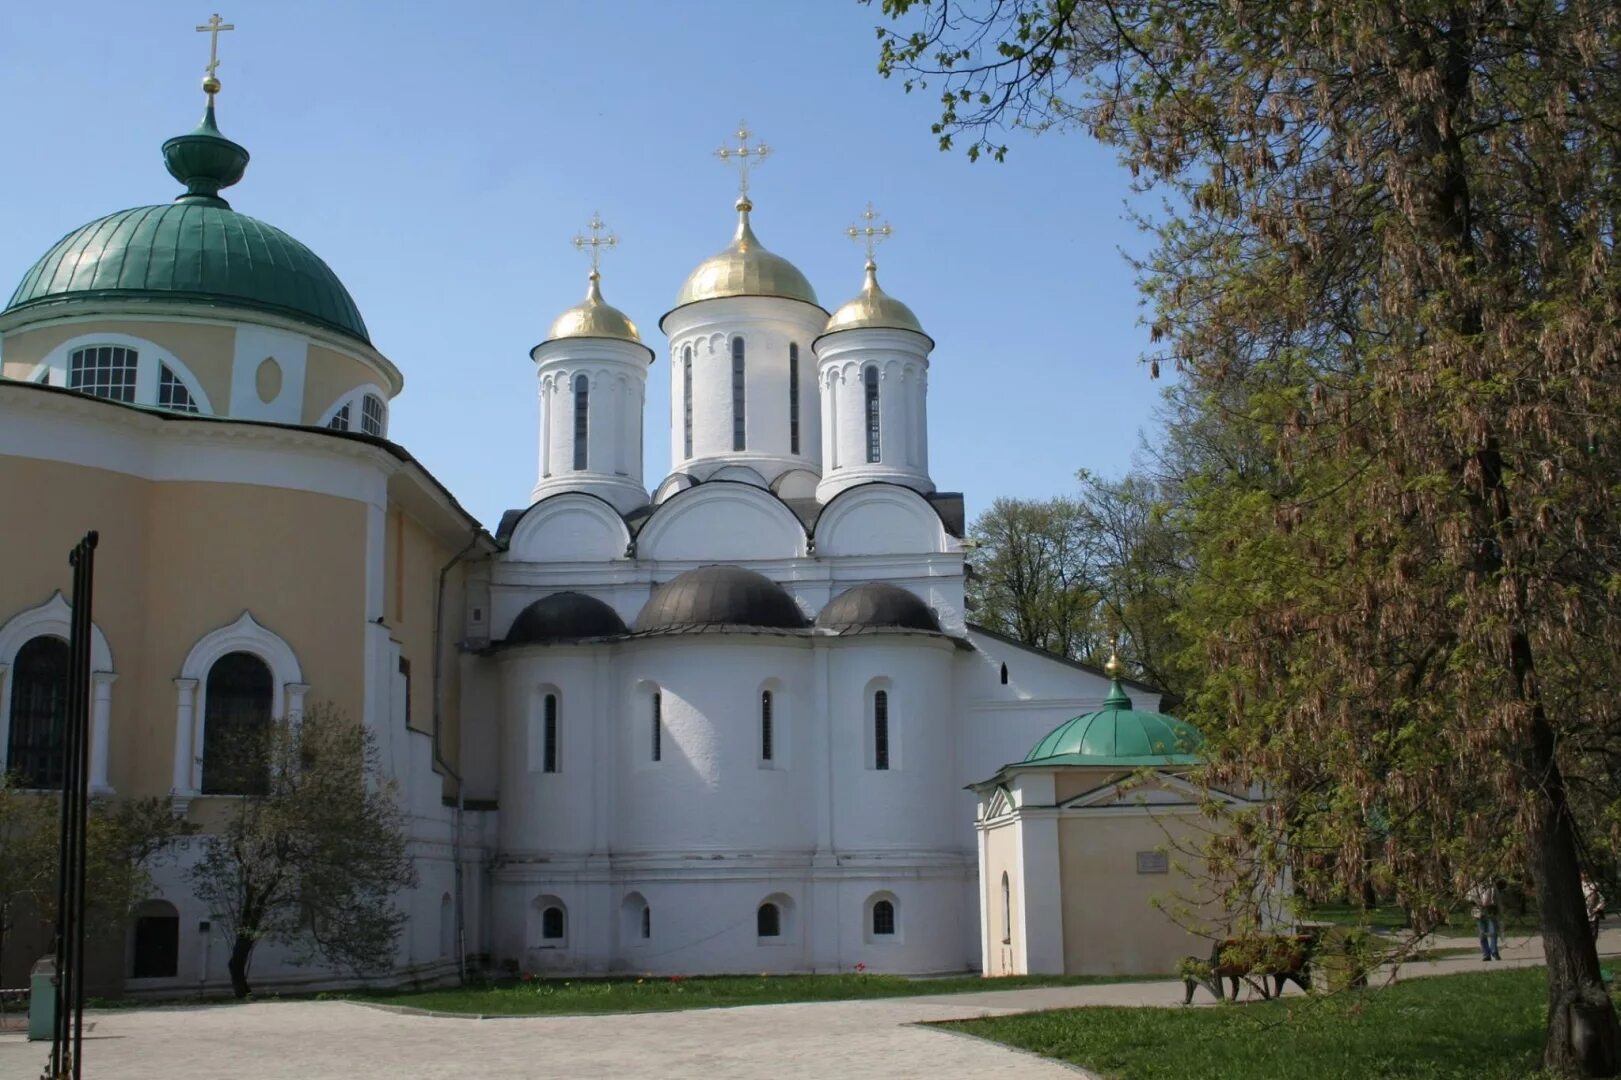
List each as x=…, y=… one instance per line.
x=593, y=245
x=213, y=28
x=869, y=233
x=743, y=152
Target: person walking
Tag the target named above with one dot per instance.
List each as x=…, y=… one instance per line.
x=1595, y=904
x=1483, y=900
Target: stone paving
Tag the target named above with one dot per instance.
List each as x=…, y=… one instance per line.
x=333, y=1040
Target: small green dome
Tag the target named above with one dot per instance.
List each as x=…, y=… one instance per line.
x=1118, y=734
x=195, y=248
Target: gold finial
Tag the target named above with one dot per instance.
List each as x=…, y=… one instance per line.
x=871, y=234
x=743, y=152
x=596, y=242
x=1114, y=667
x=213, y=28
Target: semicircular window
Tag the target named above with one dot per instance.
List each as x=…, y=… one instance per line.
x=172, y=393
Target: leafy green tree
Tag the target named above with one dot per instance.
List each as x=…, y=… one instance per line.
x=313, y=861
x=1388, y=259
x=1033, y=575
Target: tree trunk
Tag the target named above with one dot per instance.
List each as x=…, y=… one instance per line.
x=242, y=952
x=1583, y=1037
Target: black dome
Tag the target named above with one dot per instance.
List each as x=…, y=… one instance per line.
x=877, y=604
x=564, y=616
x=719, y=596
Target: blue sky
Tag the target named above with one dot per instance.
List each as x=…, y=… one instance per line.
x=439, y=156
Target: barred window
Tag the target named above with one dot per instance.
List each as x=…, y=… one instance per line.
x=883, y=919
x=39, y=713
x=371, y=415
x=582, y=412
x=686, y=401
x=104, y=371
x=172, y=393
x=739, y=425
x=793, y=398
x=340, y=419
x=874, y=446
x=549, y=736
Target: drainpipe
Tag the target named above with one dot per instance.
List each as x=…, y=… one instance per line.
x=438, y=707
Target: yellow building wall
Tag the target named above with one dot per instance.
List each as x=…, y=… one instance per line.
x=1111, y=926
x=329, y=375
x=1002, y=857
x=176, y=561
x=205, y=350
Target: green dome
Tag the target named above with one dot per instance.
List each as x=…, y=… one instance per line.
x=1117, y=734
x=195, y=248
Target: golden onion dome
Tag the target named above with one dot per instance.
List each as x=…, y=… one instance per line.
x=745, y=268
x=873, y=309
x=594, y=319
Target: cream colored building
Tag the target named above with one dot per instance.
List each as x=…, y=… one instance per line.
x=1088, y=849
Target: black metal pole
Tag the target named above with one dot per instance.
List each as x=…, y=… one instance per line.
x=82, y=601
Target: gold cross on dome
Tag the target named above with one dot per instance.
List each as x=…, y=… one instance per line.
x=596, y=242
x=743, y=152
x=872, y=235
x=214, y=28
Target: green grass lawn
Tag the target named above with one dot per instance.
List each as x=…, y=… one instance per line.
x=1484, y=1026
x=656, y=993
x=1390, y=917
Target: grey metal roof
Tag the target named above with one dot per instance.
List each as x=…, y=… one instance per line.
x=564, y=616
x=719, y=596
x=878, y=603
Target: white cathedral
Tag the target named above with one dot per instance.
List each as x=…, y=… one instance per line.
x=727, y=724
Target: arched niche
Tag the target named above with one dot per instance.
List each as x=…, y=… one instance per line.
x=570, y=527
x=880, y=519
x=720, y=522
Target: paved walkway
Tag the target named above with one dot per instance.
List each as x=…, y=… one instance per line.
x=334, y=1040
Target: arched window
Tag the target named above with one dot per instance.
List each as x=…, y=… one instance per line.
x=236, y=726
x=39, y=712
x=1004, y=674
x=880, y=729
x=765, y=725
x=869, y=379
x=1007, y=911
x=793, y=397
x=371, y=415
x=883, y=919
x=340, y=419
x=768, y=921
x=104, y=371
x=658, y=725
x=739, y=428
x=582, y=410
x=686, y=401
x=551, y=924
x=172, y=393
x=647, y=922
x=548, y=759
x=156, y=945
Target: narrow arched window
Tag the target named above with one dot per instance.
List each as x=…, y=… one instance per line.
x=172, y=393
x=739, y=428
x=1004, y=674
x=582, y=410
x=551, y=924
x=880, y=729
x=236, y=726
x=768, y=921
x=371, y=415
x=658, y=725
x=686, y=401
x=39, y=713
x=647, y=922
x=766, y=748
x=883, y=919
x=869, y=379
x=1007, y=911
x=548, y=762
x=793, y=398
x=104, y=371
